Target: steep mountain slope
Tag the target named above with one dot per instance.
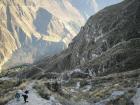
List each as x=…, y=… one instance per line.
x=64, y=15
x=30, y=29
x=40, y=27
x=100, y=67
x=108, y=43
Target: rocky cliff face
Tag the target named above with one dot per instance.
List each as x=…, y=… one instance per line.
x=34, y=28
x=29, y=29
x=108, y=43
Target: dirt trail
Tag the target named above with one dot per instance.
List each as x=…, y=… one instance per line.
x=34, y=99
x=136, y=98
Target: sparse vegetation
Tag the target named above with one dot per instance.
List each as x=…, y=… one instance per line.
x=42, y=90
x=8, y=89
x=102, y=88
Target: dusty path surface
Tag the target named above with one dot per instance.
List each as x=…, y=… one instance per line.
x=34, y=99
x=136, y=98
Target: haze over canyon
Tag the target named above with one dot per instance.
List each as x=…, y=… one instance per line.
x=32, y=29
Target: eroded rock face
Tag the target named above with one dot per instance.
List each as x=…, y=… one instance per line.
x=31, y=29
x=109, y=40
x=108, y=43
x=36, y=28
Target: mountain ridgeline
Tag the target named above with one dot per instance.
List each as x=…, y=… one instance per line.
x=108, y=43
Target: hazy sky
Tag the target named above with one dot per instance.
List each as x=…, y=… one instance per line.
x=104, y=3
x=90, y=7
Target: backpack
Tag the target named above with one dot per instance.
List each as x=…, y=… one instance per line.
x=17, y=95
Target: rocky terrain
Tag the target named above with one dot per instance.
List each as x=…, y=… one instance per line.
x=99, y=67
x=105, y=55
x=30, y=29
x=108, y=43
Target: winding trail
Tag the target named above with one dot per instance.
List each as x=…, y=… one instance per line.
x=34, y=99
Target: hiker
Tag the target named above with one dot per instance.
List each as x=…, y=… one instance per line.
x=17, y=96
x=25, y=96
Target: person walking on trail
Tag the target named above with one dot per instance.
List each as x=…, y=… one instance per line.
x=25, y=96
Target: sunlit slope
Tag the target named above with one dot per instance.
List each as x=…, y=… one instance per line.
x=27, y=25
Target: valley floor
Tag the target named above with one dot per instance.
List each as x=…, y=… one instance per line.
x=114, y=89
